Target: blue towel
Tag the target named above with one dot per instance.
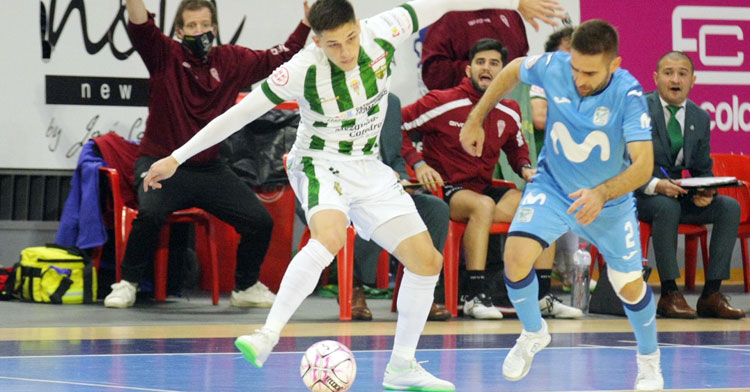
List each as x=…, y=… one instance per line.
x=81, y=224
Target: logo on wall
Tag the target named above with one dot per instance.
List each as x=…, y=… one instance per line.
x=698, y=28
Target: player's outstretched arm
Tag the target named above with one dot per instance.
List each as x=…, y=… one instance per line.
x=137, y=12
x=472, y=134
x=591, y=201
x=429, y=11
x=250, y=108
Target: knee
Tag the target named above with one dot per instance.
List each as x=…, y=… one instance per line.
x=730, y=208
x=633, y=291
x=483, y=209
x=260, y=224
x=667, y=208
x=433, y=264
x=333, y=240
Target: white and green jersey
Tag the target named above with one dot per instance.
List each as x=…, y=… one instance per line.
x=342, y=112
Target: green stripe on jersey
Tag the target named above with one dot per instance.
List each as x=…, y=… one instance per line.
x=389, y=49
x=270, y=94
x=311, y=90
x=313, y=185
x=338, y=80
x=345, y=147
x=414, y=20
x=347, y=123
x=317, y=143
x=320, y=124
x=374, y=110
x=369, y=145
x=367, y=74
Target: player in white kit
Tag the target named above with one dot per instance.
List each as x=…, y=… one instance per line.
x=341, y=83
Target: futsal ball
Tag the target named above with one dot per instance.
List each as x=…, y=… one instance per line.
x=328, y=366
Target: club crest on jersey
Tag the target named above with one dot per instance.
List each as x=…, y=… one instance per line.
x=395, y=32
x=525, y=214
x=500, y=128
x=505, y=20
x=601, y=116
x=380, y=72
x=355, y=85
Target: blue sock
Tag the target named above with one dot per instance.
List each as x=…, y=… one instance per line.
x=642, y=318
x=523, y=294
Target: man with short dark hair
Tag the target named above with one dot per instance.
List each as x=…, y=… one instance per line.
x=597, y=151
x=191, y=82
x=341, y=84
x=468, y=180
x=682, y=141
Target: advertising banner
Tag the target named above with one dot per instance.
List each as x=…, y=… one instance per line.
x=716, y=36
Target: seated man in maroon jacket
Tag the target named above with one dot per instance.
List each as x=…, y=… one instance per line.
x=468, y=189
x=445, y=50
x=191, y=82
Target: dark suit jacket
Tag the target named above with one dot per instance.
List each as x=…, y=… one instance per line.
x=696, y=148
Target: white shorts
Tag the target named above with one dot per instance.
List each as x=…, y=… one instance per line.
x=366, y=190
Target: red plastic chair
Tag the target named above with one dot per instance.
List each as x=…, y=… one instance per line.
x=123, y=223
x=452, y=255
x=738, y=166
x=692, y=234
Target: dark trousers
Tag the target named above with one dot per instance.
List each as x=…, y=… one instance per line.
x=213, y=188
x=666, y=213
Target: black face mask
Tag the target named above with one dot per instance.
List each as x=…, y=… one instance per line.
x=199, y=45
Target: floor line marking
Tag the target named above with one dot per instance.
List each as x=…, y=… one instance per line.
x=579, y=346
x=87, y=384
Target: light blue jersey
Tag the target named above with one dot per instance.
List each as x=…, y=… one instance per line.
x=586, y=139
x=586, y=145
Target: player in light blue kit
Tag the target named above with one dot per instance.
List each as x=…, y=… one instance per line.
x=597, y=150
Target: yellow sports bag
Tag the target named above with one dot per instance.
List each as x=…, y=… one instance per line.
x=55, y=274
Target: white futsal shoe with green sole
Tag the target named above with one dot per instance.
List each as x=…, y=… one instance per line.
x=257, y=347
x=415, y=378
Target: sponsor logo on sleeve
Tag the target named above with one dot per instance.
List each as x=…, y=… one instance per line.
x=280, y=77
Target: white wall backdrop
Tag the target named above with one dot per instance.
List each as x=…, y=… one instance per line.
x=91, y=81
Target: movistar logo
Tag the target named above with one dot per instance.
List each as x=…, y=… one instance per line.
x=575, y=152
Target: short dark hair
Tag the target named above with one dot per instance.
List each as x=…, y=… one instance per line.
x=488, y=44
x=675, y=55
x=330, y=14
x=193, y=5
x=554, y=40
x=594, y=37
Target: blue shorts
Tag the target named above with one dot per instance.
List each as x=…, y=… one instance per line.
x=543, y=216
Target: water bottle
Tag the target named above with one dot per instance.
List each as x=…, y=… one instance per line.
x=579, y=279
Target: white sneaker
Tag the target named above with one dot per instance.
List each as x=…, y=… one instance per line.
x=255, y=296
x=649, y=373
x=415, y=378
x=518, y=361
x=257, y=347
x=554, y=307
x=481, y=307
x=122, y=295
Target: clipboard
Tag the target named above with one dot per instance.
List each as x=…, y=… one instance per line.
x=707, y=182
